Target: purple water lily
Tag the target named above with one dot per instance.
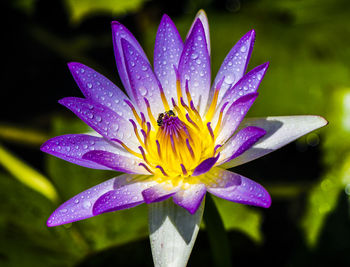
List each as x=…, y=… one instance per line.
x=173, y=134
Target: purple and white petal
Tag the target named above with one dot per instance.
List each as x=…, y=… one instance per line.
x=102, y=119
x=237, y=188
x=204, y=19
x=124, y=197
x=194, y=66
x=279, y=132
x=205, y=165
x=234, y=116
x=159, y=192
x=119, y=32
x=98, y=88
x=235, y=64
x=247, y=85
x=144, y=83
x=80, y=207
x=240, y=142
x=72, y=147
x=190, y=198
x=167, y=51
x=118, y=162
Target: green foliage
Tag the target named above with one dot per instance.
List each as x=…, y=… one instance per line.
x=27, y=175
x=25, y=240
x=324, y=196
x=241, y=218
x=79, y=9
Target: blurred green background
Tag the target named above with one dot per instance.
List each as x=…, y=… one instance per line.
x=308, y=46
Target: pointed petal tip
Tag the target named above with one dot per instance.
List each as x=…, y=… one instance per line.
x=205, y=165
x=114, y=22
x=72, y=64
x=51, y=222
x=266, y=64
x=323, y=121
x=201, y=12
x=165, y=17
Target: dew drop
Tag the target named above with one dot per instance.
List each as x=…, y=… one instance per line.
x=143, y=91
x=89, y=85
x=229, y=79
x=86, y=204
x=194, y=56
x=243, y=48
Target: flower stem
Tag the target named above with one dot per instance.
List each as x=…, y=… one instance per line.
x=173, y=231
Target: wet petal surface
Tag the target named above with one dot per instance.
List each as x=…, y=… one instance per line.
x=98, y=88
x=237, y=188
x=167, y=52
x=72, y=147
x=279, y=132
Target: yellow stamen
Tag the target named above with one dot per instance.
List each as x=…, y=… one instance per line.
x=127, y=148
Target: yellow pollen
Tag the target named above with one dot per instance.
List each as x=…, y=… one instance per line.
x=178, y=140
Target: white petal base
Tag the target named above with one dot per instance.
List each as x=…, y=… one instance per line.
x=173, y=231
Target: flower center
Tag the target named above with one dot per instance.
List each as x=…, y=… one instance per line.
x=175, y=143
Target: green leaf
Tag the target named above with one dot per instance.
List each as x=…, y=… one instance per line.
x=217, y=235
x=240, y=217
x=25, y=240
x=323, y=198
x=82, y=8
x=27, y=175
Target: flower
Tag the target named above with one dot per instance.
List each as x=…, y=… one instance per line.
x=174, y=134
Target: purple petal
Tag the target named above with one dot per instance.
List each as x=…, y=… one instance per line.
x=72, y=147
x=235, y=64
x=194, y=66
x=119, y=32
x=80, y=207
x=205, y=165
x=158, y=193
x=237, y=188
x=247, y=85
x=127, y=196
x=190, y=198
x=234, y=115
x=279, y=132
x=103, y=120
x=167, y=51
x=240, y=142
x=99, y=89
x=204, y=19
x=144, y=83
x=116, y=162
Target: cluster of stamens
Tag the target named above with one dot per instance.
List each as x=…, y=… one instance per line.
x=175, y=143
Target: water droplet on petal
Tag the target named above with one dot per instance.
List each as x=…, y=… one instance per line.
x=86, y=204
x=143, y=91
x=229, y=79
x=243, y=48
x=194, y=55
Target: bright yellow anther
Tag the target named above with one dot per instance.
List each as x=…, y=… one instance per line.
x=211, y=110
x=164, y=100
x=128, y=149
